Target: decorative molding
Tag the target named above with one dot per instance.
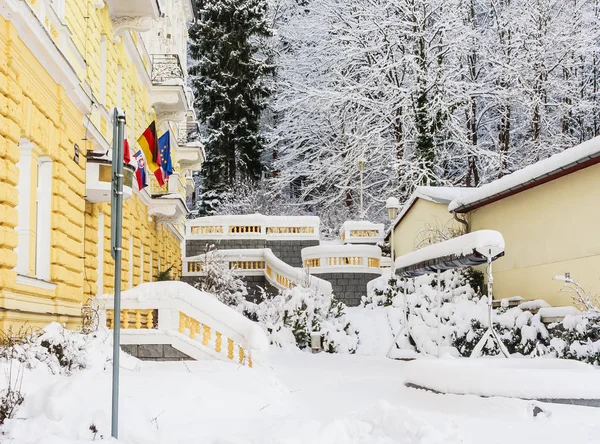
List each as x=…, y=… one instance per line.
x=169, y=116
x=33, y=33
x=125, y=23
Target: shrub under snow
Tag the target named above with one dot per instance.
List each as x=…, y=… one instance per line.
x=62, y=351
x=463, y=320
x=291, y=316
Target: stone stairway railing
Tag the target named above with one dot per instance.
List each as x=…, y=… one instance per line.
x=191, y=321
x=258, y=261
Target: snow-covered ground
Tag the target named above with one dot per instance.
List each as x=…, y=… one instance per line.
x=297, y=398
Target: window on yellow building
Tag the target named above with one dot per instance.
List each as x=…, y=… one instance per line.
x=131, y=117
x=100, y=278
x=142, y=258
x=102, y=93
x=119, y=87
x=59, y=8
x=130, y=261
x=34, y=211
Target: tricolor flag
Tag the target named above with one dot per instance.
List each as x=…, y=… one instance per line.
x=126, y=153
x=149, y=144
x=140, y=172
x=164, y=146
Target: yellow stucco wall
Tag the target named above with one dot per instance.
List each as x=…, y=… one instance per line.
x=549, y=230
x=417, y=225
x=33, y=106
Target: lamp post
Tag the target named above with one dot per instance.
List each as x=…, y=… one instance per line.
x=362, y=163
x=392, y=204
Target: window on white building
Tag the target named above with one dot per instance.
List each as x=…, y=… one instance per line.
x=34, y=211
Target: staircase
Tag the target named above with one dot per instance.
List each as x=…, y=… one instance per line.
x=174, y=315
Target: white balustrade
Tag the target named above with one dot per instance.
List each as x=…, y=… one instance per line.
x=256, y=262
x=361, y=232
x=254, y=226
x=192, y=321
x=342, y=258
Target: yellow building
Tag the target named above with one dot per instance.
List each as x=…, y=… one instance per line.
x=548, y=213
x=64, y=65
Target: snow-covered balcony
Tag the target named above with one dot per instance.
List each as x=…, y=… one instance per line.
x=254, y=226
x=342, y=259
x=190, y=151
x=98, y=180
x=168, y=201
x=361, y=232
x=170, y=97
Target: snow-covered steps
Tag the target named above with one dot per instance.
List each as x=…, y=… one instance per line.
x=545, y=379
x=192, y=322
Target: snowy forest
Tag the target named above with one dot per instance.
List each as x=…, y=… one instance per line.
x=438, y=92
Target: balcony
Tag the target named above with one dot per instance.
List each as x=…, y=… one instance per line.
x=168, y=201
x=169, y=96
x=132, y=15
x=190, y=152
x=98, y=180
x=134, y=8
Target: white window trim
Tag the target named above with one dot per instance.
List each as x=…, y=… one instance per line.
x=24, y=188
x=35, y=282
x=44, y=212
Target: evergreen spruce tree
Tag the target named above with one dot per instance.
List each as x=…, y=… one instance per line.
x=229, y=72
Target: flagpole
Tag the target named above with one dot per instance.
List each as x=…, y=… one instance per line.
x=116, y=211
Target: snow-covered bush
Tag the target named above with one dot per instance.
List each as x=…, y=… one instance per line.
x=291, y=316
x=224, y=283
x=384, y=293
x=463, y=315
x=577, y=337
x=60, y=350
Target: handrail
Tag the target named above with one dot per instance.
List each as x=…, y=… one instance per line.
x=182, y=309
x=279, y=273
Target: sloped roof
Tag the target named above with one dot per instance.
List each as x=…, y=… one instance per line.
x=561, y=164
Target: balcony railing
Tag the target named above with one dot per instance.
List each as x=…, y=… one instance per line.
x=166, y=69
x=174, y=185
x=188, y=131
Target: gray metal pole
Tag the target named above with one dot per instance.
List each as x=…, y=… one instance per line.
x=439, y=314
x=117, y=251
x=362, y=211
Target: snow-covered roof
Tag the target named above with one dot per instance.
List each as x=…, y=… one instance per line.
x=485, y=242
x=569, y=160
x=442, y=195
